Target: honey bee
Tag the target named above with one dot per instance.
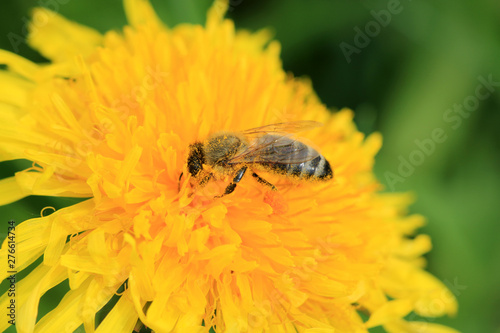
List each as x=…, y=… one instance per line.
x=268, y=148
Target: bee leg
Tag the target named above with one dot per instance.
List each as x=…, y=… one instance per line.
x=230, y=188
x=205, y=180
x=263, y=181
x=179, y=182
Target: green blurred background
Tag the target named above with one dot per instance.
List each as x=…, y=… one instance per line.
x=418, y=71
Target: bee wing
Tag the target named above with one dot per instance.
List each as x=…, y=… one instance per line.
x=271, y=148
x=273, y=144
x=286, y=128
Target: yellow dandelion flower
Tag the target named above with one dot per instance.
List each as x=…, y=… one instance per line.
x=110, y=121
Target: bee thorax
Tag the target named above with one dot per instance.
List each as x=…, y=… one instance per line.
x=220, y=149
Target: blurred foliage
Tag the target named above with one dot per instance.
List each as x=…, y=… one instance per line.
x=402, y=83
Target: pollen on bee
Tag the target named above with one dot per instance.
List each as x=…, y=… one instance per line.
x=277, y=202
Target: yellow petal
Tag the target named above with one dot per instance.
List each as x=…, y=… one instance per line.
x=29, y=310
x=96, y=296
x=215, y=215
x=233, y=314
x=308, y=320
x=32, y=71
x=67, y=316
x=59, y=230
x=320, y=330
x=35, y=183
x=64, y=222
x=59, y=39
x=27, y=288
x=216, y=13
x=413, y=248
x=430, y=296
x=390, y=311
x=18, y=64
x=400, y=326
x=87, y=264
x=140, y=12
x=31, y=238
x=121, y=319
x=190, y=323
x=324, y=286
x=13, y=89
x=218, y=258
x=129, y=163
x=10, y=191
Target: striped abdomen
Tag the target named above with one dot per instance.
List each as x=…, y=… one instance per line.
x=316, y=169
x=292, y=158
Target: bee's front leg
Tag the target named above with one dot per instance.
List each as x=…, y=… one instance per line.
x=230, y=188
x=203, y=181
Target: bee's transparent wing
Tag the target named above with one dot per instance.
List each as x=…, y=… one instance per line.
x=274, y=144
x=272, y=148
x=286, y=128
